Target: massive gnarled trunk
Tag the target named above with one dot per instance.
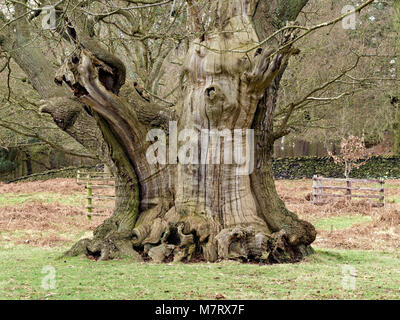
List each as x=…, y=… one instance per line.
x=201, y=209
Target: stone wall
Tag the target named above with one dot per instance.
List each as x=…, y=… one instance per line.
x=305, y=167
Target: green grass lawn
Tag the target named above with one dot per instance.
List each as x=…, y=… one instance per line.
x=320, y=276
x=340, y=222
x=393, y=199
x=14, y=236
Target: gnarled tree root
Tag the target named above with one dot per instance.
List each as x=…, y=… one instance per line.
x=172, y=238
x=240, y=243
x=114, y=245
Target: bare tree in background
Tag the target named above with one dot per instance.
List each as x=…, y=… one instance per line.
x=353, y=154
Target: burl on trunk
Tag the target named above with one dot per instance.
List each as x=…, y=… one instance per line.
x=215, y=198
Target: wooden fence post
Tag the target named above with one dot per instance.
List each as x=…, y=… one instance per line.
x=320, y=190
x=89, y=200
x=382, y=192
x=315, y=189
x=348, y=185
x=95, y=180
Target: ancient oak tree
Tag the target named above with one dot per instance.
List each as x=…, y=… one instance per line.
x=228, y=83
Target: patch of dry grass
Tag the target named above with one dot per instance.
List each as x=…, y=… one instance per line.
x=62, y=185
x=381, y=233
x=40, y=223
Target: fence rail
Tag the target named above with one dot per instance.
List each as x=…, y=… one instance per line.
x=95, y=180
x=375, y=193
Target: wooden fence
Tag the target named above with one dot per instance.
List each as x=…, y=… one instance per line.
x=96, y=181
x=319, y=186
